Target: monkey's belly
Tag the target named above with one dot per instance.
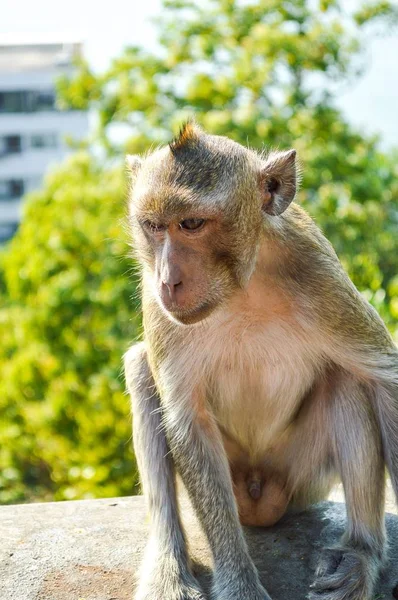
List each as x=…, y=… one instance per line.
x=262, y=499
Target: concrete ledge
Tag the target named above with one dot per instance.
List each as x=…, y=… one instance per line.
x=90, y=550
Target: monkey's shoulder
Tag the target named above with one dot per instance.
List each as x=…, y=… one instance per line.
x=334, y=300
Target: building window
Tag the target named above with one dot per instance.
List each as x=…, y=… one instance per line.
x=43, y=140
x=10, y=144
x=11, y=189
x=26, y=101
x=11, y=102
x=7, y=230
x=13, y=143
x=45, y=101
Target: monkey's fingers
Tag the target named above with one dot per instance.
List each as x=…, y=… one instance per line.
x=329, y=561
x=351, y=579
x=333, y=582
x=330, y=595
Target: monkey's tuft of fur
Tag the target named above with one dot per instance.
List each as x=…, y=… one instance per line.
x=187, y=135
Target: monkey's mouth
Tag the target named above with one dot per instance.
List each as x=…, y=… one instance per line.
x=190, y=316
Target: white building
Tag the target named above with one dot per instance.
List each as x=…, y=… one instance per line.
x=32, y=130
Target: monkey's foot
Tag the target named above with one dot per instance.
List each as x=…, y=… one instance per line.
x=243, y=585
x=169, y=586
x=171, y=592
x=344, y=574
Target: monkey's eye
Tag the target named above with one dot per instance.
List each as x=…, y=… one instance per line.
x=154, y=227
x=192, y=224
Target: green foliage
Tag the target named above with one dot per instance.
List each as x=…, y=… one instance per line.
x=263, y=72
x=69, y=316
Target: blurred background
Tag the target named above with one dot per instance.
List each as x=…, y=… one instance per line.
x=81, y=85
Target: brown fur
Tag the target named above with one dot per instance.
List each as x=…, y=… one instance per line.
x=272, y=374
x=186, y=136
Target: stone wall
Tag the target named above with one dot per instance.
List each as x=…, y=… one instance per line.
x=91, y=549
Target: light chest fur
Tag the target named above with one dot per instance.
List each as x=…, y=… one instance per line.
x=253, y=363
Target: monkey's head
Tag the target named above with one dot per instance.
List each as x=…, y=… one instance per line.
x=197, y=209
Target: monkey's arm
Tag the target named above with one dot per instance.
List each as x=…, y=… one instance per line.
x=361, y=422
x=202, y=463
x=165, y=572
x=353, y=336
x=349, y=570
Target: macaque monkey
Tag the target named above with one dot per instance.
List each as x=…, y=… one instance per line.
x=263, y=374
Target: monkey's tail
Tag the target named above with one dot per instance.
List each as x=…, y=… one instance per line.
x=386, y=396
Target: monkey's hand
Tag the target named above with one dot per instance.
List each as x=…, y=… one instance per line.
x=238, y=584
x=344, y=574
x=161, y=580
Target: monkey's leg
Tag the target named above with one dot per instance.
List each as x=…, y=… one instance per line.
x=202, y=463
x=165, y=573
x=350, y=570
x=386, y=400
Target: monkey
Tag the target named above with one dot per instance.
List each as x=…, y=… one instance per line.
x=263, y=374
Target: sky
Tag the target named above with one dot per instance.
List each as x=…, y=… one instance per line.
x=371, y=104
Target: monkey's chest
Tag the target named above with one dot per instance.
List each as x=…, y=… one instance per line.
x=257, y=381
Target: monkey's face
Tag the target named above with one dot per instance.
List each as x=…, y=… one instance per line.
x=197, y=209
x=192, y=264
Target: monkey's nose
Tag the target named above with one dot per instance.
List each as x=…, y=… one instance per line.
x=171, y=287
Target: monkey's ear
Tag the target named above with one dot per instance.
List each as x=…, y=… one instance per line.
x=278, y=181
x=133, y=163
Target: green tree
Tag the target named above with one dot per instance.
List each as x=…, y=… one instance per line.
x=263, y=72
x=267, y=72
x=68, y=317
